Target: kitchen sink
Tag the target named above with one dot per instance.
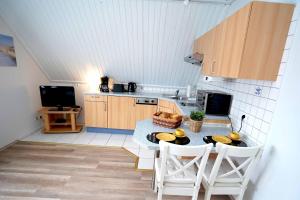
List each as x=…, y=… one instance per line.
x=174, y=97
x=188, y=104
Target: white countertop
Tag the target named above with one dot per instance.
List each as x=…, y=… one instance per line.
x=145, y=127
x=185, y=110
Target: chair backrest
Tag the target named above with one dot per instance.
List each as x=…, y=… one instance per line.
x=182, y=158
x=240, y=162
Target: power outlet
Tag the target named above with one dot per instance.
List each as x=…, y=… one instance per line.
x=243, y=117
x=38, y=117
x=258, y=91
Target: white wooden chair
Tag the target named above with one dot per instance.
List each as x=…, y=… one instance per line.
x=229, y=174
x=179, y=169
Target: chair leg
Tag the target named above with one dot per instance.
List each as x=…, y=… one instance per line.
x=155, y=189
x=159, y=195
x=195, y=193
x=241, y=195
x=207, y=195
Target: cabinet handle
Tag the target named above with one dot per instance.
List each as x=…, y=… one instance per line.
x=105, y=107
x=134, y=102
x=213, y=67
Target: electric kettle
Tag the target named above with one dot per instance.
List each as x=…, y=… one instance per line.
x=131, y=87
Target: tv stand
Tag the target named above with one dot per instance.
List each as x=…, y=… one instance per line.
x=60, y=109
x=56, y=121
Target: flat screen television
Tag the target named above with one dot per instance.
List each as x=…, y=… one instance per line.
x=57, y=96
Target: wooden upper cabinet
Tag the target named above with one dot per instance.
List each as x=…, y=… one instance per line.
x=265, y=41
x=249, y=44
x=199, y=45
x=208, y=45
x=232, y=35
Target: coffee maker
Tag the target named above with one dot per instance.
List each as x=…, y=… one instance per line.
x=104, y=84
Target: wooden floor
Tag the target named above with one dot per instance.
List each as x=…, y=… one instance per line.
x=42, y=171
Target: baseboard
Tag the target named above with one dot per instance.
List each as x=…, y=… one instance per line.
x=6, y=146
x=109, y=130
x=18, y=139
x=32, y=132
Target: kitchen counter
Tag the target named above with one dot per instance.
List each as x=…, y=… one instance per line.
x=185, y=110
x=145, y=127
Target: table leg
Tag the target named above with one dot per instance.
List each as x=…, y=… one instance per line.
x=73, y=122
x=46, y=122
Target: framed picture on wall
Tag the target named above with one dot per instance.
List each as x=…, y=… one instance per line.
x=7, y=51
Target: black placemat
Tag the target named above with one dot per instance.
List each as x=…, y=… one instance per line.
x=179, y=140
x=208, y=139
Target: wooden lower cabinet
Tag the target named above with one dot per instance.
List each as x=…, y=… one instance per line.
x=124, y=113
x=118, y=112
x=121, y=113
x=165, y=106
x=144, y=111
x=177, y=110
x=95, y=112
x=165, y=109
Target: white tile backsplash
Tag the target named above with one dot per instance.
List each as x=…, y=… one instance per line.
x=256, y=99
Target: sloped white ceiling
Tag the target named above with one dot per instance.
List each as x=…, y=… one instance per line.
x=131, y=40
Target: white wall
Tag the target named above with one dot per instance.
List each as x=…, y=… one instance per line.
x=279, y=174
x=20, y=97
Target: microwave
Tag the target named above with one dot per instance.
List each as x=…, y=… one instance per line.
x=214, y=102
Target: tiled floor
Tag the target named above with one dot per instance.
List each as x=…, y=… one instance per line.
x=99, y=139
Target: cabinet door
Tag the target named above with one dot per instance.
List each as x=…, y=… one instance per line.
x=164, y=109
x=177, y=110
x=266, y=37
x=101, y=109
x=95, y=112
x=121, y=113
x=208, y=52
x=199, y=45
x=231, y=43
x=90, y=113
x=165, y=106
x=144, y=111
x=218, y=38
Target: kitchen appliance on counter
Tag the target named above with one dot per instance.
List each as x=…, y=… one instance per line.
x=214, y=102
x=132, y=87
x=104, y=84
x=118, y=87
